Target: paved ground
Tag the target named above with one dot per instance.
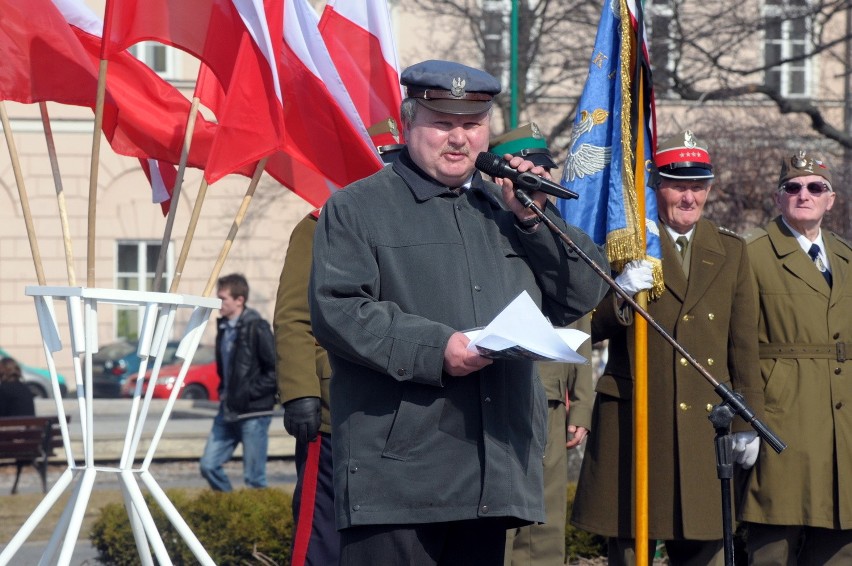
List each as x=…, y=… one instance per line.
x=176, y=465
x=174, y=474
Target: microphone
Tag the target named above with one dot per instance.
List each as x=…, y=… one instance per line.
x=496, y=166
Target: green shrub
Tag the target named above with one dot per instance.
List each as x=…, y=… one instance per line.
x=231, y=527
x=579, y=543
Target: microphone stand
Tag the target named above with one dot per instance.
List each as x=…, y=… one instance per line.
x=732, y=403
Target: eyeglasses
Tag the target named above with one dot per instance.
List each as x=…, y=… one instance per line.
x=814, y=188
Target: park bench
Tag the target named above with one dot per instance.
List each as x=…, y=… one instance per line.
x=30, y=441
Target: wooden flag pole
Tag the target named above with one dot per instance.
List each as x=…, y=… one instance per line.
x=93, y=174
x=187, y=239
x=176, y=190
x=22, y=193
x=60, y=195
x=235, y=226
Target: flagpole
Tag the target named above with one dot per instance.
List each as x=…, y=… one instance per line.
x=513, y=53
x=93, y=174
x=235, y=226
x=22, y=193
x=60, y=195
x=176, y=191
x=640, y=372
x=190, y=233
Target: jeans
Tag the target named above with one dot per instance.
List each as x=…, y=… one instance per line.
x=223, y=439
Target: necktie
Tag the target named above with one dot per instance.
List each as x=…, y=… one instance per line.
x=814, y=253
x=682, y=242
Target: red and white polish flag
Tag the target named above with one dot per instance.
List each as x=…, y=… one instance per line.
x=323, y=129
x=359, y=37
x=238, y=40
x=50, y=51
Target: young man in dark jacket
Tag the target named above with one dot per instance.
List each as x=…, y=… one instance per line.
x=245, y=360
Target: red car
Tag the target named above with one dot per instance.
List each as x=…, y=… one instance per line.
x=201, y=380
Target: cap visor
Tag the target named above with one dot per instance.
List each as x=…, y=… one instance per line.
x=461, y=107
x=688, y=173
x=541, y=159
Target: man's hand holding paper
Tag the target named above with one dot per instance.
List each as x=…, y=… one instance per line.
x=521, y=331
x=459, y=360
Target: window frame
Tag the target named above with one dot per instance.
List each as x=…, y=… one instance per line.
x=785, y=15
x=141, y=276
x=144, y=51
x=668, y=44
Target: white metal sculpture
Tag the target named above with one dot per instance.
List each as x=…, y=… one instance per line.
x=159, y=316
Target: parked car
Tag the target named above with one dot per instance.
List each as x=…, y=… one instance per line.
x=38, y=379
x=200, y=382
x=113, y=363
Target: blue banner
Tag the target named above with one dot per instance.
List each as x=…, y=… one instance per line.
x=600, y=160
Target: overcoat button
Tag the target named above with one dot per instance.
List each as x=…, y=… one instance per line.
x=837, y=371
x=683, y=406
x=836, y=335
x=710, y=361
x=477, y=288
x=356, y=507
x=484, y=508
x=683, y=361
x=711, y=316
x=400, y=371
x=839, y=405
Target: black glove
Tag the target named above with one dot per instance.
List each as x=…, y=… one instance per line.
x=302, y=418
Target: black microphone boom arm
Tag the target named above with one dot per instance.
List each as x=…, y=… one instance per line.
x=727, y=396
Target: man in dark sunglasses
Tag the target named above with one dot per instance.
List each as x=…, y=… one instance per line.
x=799, y=503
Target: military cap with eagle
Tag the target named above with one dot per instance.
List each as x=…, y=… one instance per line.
x=449, y=87
x=803, y=164
x=683, y=157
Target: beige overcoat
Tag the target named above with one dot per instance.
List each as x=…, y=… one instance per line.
x=805, y=335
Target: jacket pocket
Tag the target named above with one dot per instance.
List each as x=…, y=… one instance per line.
x=618, y=387
x=410, y=426
x=779, y=391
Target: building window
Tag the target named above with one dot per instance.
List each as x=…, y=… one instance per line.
x=136, y=266
x=662, y=45
x=788, y=38
x=160, y=58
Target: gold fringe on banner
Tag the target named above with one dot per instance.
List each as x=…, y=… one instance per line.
x=627, y=244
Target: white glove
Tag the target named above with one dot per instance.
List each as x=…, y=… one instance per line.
x=637, y=276
x=746, y=448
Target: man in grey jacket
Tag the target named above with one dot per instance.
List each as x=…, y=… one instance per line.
x=437, y=450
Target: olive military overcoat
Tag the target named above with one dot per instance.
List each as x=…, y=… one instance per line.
x=302, y=364
x=805, y=334
x=713, y=316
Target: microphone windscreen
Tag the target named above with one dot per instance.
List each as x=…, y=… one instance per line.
x=490, y=163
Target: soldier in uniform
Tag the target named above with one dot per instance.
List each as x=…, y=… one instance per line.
x=303, y=386
x=798, y=505
x=709, y=307
x=544, y=544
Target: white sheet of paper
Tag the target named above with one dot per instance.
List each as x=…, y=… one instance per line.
x=522, y=324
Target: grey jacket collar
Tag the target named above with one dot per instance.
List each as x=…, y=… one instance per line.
x=424, y=187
